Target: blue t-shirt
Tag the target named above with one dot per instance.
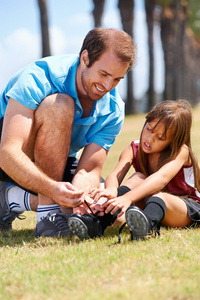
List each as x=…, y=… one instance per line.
x=57, y=74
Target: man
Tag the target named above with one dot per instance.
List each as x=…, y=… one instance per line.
x=49, y=111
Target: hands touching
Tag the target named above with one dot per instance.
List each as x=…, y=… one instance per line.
x=101, y=200
x=83, y=208
x=106, y=200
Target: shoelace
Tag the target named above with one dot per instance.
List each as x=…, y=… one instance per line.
x=11, y=215
x=156, y=233
x=8, y=218
x=94, y=214
x=118, y=234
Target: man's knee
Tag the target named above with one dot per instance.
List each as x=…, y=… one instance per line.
x=56, y=107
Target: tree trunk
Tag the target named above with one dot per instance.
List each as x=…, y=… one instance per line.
x=168, y=49
x=173, y=26
x=126, y=8
x=44, y=27
x=150, y=7
x=179, y=53
x=98, y=12
x=191, y=78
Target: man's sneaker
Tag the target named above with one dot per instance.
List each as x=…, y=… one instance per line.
x=85, y=226
x=138, y=223
x=54, y=225
x=6, y=215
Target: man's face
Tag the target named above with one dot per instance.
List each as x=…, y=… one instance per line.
x=102, y=76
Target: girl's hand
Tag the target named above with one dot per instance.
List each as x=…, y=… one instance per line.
x=115, y=204
x=83, y=208
x=97, y=194
x=101, y=197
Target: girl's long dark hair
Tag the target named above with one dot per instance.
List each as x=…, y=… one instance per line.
x=178, y=116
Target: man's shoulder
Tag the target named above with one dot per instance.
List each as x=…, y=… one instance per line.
x=56, y=58
x=58, y=63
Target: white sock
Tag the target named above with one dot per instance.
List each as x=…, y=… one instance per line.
x=43, y=210
x=18, y=199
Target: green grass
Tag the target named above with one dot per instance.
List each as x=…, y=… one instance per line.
x=49, y=268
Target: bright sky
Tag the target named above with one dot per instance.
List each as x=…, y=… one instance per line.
x=69, y=22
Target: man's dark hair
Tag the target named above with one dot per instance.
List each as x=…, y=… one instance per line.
x=99, y=40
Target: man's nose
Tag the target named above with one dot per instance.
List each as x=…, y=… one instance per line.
x=108, y=84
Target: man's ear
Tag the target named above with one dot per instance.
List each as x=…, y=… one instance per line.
x=84, y=59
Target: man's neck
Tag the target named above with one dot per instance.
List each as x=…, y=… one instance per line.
x=87, y=106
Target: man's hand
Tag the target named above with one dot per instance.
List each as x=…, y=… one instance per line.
x=66, y=195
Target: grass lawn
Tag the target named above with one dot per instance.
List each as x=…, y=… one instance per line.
x=49, y=268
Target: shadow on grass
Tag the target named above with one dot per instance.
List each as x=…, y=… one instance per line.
x=25, y=237
x=16, y=237
x=22, y=237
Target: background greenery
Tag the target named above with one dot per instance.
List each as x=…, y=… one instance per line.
x=48, y=268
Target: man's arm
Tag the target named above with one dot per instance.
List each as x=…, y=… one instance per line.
x=18, y=121
x=17, y=128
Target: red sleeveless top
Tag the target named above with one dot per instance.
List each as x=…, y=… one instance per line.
x=183, y=182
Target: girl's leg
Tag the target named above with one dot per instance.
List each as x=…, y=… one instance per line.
x=132, y=182
x=176, y=211
x=164, y=208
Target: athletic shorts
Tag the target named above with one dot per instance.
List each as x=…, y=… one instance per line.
x=70, y=168
x=193, y=209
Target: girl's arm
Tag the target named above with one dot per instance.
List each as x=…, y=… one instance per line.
x=152, y=184
x=115, y=178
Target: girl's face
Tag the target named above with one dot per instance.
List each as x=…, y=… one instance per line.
x=153, y=139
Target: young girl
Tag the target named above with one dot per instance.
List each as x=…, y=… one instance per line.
x=166, y=185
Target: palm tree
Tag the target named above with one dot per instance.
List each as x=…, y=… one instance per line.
x=150, y=11
x=173, y=27
x=126, y=8
x=44, y=27
x=98, y=12
x=192, y=51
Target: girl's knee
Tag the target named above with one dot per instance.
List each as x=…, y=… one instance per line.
x=138, y=175
x=135, y=180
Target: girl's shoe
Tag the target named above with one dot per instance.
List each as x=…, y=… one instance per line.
x=85, y=226
x=138, y=223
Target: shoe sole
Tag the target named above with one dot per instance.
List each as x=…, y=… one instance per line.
x=137, y=223
x=4, y=207
x=78, y=228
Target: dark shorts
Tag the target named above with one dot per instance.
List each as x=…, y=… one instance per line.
x=193, y=209
x=70, y=168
